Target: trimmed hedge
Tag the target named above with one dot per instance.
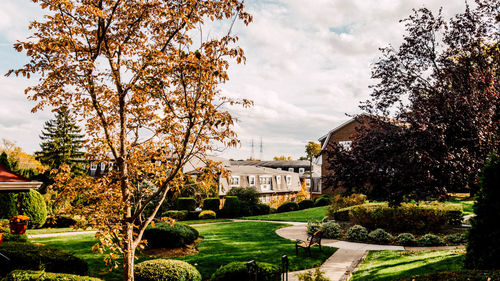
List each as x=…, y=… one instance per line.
x=59, y=221
x=186, y=203
x=323, y=200
x=339, y=202
x=331, y=230
x=232, y=206
x=8, y=203
x=31, y=204
x=164, y=235
x=166, y=270
x=176, y=215
x=288, y=207
x=466, y=275
x=33, y=257
x=431, y=240
x=261, y=209
x=406, y=239
x=194, y=215
x=306, y=204
x=406, y=218
x=30, y=275
x=205, y=215
x=380, y=236
x=7, y=237
x=313, y=227
x=357, y=233
x=211, y=204
x=238, y=271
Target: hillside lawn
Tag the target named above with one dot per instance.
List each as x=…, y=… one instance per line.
x=223, y=243
x=305, y=215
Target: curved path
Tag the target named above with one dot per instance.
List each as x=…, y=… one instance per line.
x=349, y=255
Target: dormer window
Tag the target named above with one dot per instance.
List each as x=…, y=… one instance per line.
x=266, y=182
x=290, y=170
x=301, y=170
x=278, y=180
x=93, y=166
x=103, y=166
x=251, y=180
x=288, y=180
x=110, y=166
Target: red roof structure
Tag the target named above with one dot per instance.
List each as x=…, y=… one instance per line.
x=10, y=181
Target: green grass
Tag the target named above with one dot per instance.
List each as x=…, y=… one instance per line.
x=391, y=265
x=223, y=243
x=467, y=206
x=191, y=222
x=50, y=230
x=306, y=215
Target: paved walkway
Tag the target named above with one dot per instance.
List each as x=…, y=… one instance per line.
x=70, y=233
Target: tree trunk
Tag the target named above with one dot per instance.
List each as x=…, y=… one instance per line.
x=128, y=255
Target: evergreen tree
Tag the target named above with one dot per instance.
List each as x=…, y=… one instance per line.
x=483, y=248
x=61, y=142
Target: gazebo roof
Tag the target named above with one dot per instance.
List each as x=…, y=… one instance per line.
x=10, y=181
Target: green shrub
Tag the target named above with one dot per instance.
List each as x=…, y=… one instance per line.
x=8, y=203
x=164, y=235
x=273, y=210
x=245, y=210
x=30, y=275
x=331, y=230
x=177, y=215
x=357, y=233
x=288, y=207
x=338, y=202
x=166, y=270
x=14, y=237
x=261, y=209
x=206, y=215
x=247, y=195
x=29, y=256
x=342, y=214
x=313, y=227
x=323, y=200
x=31, y=204
x=380, y=236
x=431, y=240
x=465, y=275
x=59, y=221
x=306, y=204
x=232, y=206
x=406, y=239
x=211, y=204
x=238, y=271
x=316, y=275
x=408, y=217
x=193, y=215
x=483, y=247
x=186, y=203
x=456, y=238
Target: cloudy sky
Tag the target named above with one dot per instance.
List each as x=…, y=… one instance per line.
x=308, y=65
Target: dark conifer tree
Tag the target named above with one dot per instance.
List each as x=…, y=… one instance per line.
x=61, y=142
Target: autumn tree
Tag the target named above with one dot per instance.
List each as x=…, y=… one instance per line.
x=437, y=97
x=282, y=158
x=61, y=142
x=312, y=150
x=142, y=78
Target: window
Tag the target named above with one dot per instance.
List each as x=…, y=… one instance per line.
x=288, y=180
x=346, y=145
x=290, y=170
x=251, y=180
x=301, y=170
x=278, y=180
x=103, y=166
x=279, y=169
x=235, y=181
x=266, y=182
x=308, y=183
x=265, y=199
x=93, y=166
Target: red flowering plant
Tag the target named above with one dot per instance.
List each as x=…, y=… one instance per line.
x=19, y=219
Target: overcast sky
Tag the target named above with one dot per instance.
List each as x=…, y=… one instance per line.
x=308, y=64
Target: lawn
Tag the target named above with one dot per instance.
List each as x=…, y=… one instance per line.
x=467, y=205
x=191, y=222
x=223, y=243
x=306, y=215
x=391, y=265
x=50, y=230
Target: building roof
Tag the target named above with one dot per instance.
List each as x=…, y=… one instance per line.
x=276, y=163
x=246, y=169
x=10, y=181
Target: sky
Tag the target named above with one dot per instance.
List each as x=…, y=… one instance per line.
x=308, y=67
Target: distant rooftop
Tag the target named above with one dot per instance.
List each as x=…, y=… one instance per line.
x=277, y=163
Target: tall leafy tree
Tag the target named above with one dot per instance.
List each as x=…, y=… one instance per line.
x=143, y=78
x=62, y=142
x=441, y=90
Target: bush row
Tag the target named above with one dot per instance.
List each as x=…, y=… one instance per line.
x=29, y=203
x=359, y=233
x=465, y=275
x=30, y=275
x=407, y=217
x=164, y=235
x=238, y=271
x=166, y=270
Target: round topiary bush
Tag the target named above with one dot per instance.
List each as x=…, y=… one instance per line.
x=322, y=201
x=238, y=271
x=186, y=203
x=431, y=240
x=232, y=206
x=380, y=236
x=306, y=204
x=357, y=233
x=205, y=215
x=164, y=235
x=31, y=204
x=211, y=204
x=331, y=230
x=166, y=270
x=406, y=239
x=32, y=275
x=8, y=203
x=288, y=207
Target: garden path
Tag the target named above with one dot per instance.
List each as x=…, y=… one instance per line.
x=45, y=235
